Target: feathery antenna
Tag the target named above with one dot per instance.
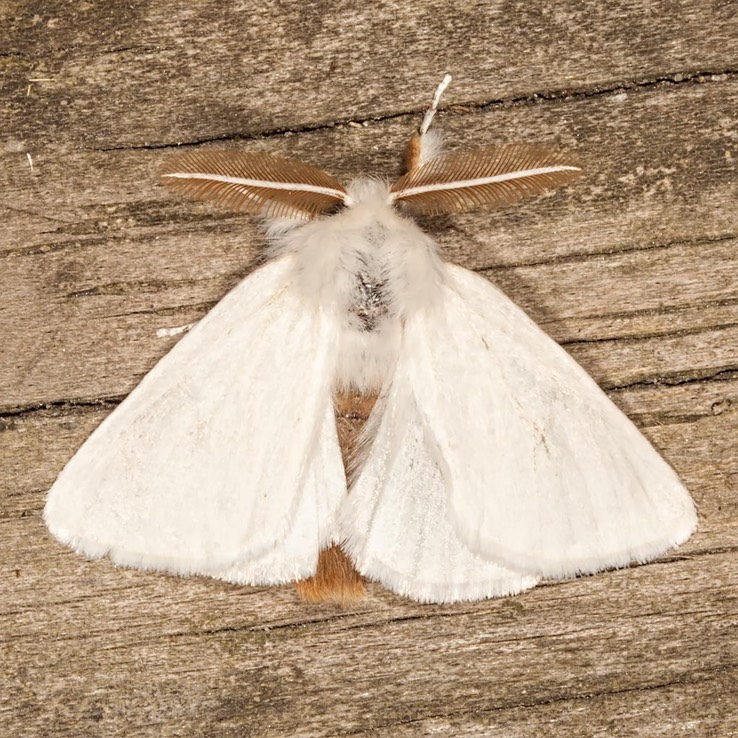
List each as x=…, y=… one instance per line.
x=254, y=182
x=494, y=175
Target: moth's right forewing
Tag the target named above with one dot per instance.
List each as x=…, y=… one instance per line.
x=543, y=472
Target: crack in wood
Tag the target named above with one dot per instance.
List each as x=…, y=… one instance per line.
x=124, y=288
x=726, y=374
x=59, y=408
x=584, y=257
x=670, y=78
x=198, y=307
x=204, y=222
x=679, y=332
x=702, y=675
x=461, y=108
x=666, y=309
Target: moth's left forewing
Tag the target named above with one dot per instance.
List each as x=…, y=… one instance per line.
x=224, y=460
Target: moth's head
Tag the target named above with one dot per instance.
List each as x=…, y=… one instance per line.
x=366, y=192
x=435, y=182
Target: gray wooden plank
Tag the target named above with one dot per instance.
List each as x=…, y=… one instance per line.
x=147, y=74
x=162, y=656
x=633, y=269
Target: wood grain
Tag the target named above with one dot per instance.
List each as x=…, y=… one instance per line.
x=633, y=269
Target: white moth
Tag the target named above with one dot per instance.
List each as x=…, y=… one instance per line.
x=490, y=460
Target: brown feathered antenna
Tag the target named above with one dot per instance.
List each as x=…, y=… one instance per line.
x=254, y=182
x=438, y=183
x=494, y=175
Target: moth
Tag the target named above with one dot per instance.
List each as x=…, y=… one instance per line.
x=490, y=459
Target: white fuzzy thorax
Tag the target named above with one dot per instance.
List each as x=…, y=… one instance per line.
x=370, y=267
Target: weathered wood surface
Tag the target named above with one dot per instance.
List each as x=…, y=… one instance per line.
x=633, y=269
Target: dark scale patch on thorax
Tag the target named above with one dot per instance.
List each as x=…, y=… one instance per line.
x=370, y=303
